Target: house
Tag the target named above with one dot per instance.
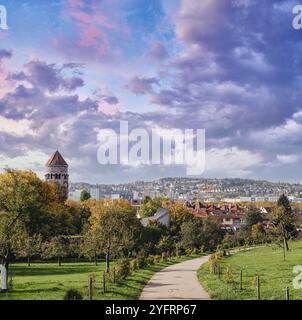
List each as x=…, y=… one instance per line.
x=162, y=216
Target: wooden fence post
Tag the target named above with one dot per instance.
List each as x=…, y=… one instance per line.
x=258, y=288
x=90, y=288
x=104, y=282
x=218, y=267
x=287, y=293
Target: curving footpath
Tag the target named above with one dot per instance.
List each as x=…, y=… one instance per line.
x=177, y=282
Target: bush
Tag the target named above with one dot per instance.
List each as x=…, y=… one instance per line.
x=72, y=294
x=134, y=264
x=123, y=268
x=189, y=252
x=142, y=263
x=212, y=263
x=164, y=256
x=157, y=258
x=228, y=276
x=150, y=260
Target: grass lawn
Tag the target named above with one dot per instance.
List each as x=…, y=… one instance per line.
x=275, y=274
x=48, y=281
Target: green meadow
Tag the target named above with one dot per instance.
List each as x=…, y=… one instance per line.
x=48, y=281
x=267, y=262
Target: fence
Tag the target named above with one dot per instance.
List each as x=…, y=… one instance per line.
x=243, y=284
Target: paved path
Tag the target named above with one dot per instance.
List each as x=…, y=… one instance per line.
x=177, y=282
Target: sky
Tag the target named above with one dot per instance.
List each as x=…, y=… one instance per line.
x=232, y=67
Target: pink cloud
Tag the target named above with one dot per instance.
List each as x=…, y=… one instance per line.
x=92, y=30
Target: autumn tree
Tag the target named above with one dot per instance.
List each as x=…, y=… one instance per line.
x=118, y=230
x=23, y=200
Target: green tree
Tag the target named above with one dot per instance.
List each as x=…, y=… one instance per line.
x=24, y=199
x=150, y=206
x=191, y=234
x=91, y=245
x=118, y=231
x=283, y=218
x=253, y=216
x=29, y=246
x=57, y=247
x=85, y=195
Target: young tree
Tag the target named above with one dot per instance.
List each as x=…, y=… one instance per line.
x=57, y=247
x=283, y=218
x=119, y=231
x=91, y=245
x=29, y=246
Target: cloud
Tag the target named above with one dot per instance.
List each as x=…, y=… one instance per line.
x=5, y=54
x=158, y=52
x=141, y=86
x=49, y=76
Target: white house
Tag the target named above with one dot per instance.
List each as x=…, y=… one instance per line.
x=162, y=216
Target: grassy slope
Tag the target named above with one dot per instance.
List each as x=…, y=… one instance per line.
x=275, y=274
x=47, y=281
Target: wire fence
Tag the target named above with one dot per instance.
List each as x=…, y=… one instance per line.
x=237, y=282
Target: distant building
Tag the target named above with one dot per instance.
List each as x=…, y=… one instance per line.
x=96, y=193
x=57, y=171
x=162, y=216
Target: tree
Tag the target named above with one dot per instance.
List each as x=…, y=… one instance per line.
x=57, y=247
x=23, y=200
x=150, y=206
x=258, y=233
x=191, y=234
x=284, y=220
x=29, y=246
x=85, y=195
x=212, y=233
x=118, y=231
x=179, y=214
x=153, y=233
x=91, y=245
x=253, y=216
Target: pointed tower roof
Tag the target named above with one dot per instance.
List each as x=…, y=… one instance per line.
x=56, y=160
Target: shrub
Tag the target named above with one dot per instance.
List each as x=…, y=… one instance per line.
x=142, y=263
x=212, y=263
x=150, y=260
x=164, y=256
x=134, y=264
x=72, y=294
x=123, y=268
x=228, y=276
x=157, y=258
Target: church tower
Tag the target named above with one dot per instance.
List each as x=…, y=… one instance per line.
x=57, y=170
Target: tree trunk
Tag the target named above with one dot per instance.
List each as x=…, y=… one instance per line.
x=95, y=260
x=28, y=261
x=59, y=261
x=4, y=278
x=107, y=262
